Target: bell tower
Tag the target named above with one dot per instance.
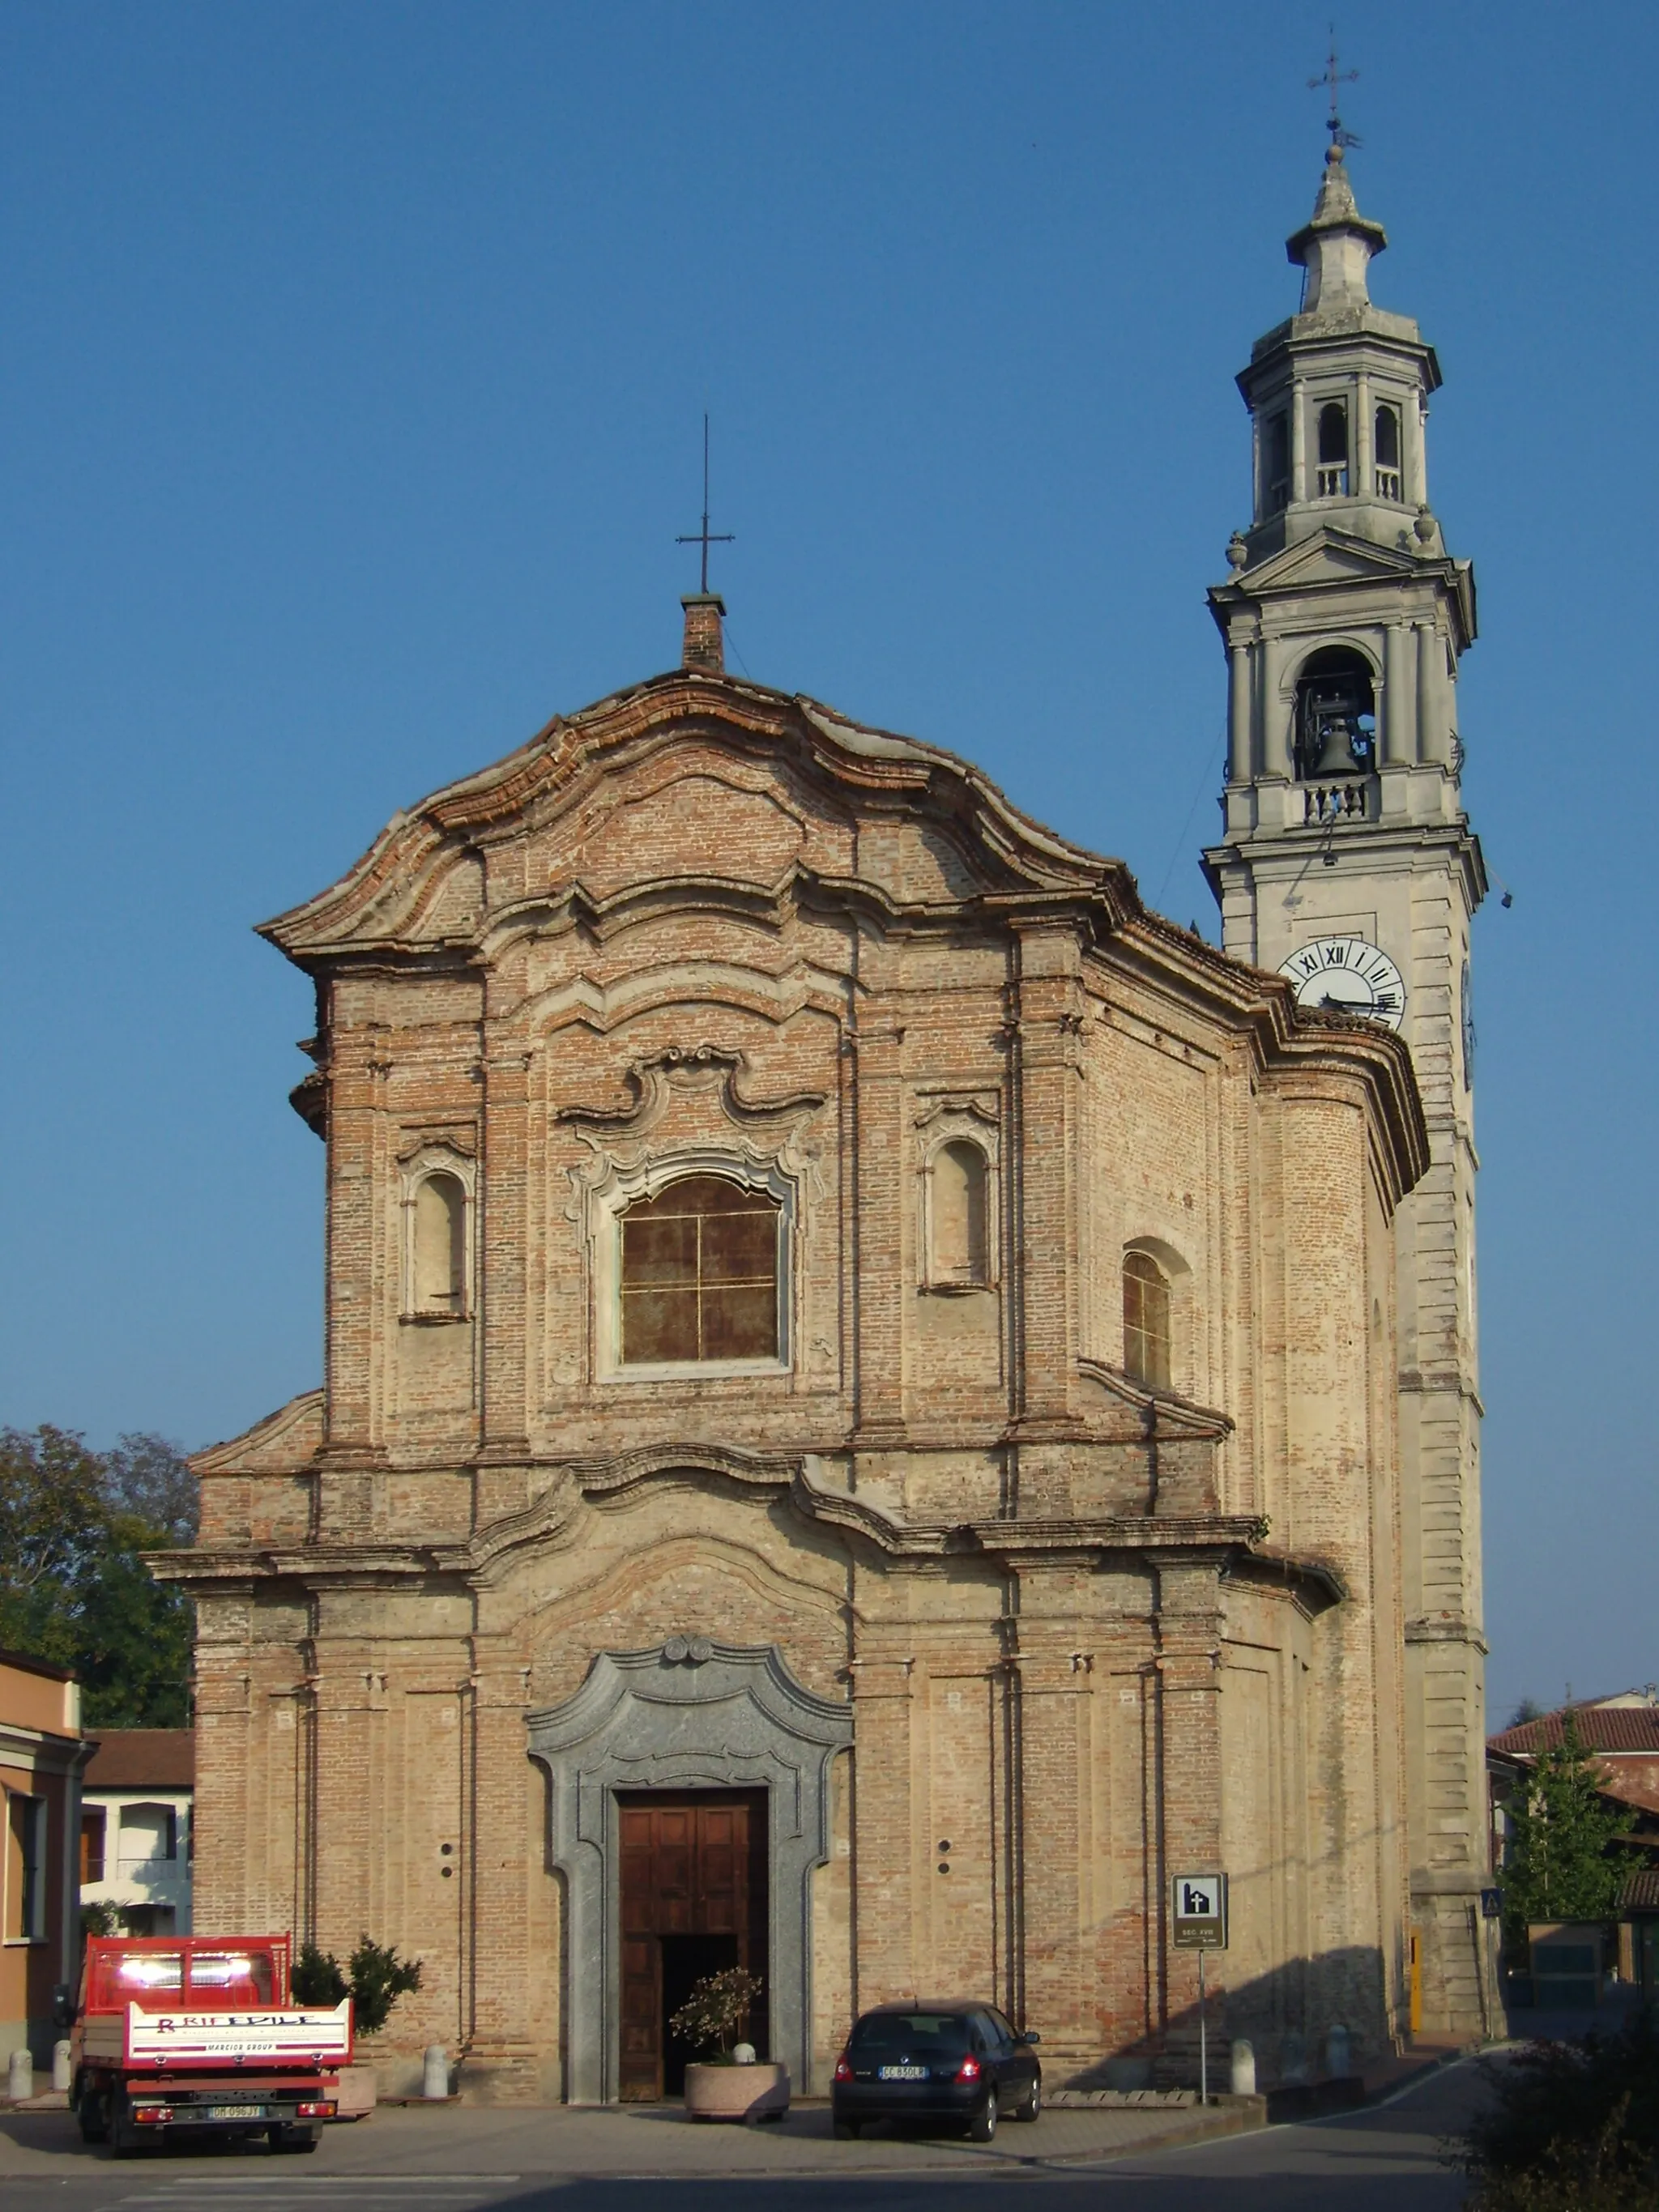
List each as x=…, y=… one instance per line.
x=1346, y=862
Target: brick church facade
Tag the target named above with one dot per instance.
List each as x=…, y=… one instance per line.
x=860, y=1431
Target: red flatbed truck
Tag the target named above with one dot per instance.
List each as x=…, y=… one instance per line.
x=181, y=2036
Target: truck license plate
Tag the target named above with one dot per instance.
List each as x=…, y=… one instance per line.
x=902, y=2074
x=236, y=2111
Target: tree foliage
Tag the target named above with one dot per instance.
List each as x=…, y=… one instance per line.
x=1557, y=1867
x=717, y=2010
x=1569, y=2127
x=374, y=1978
x=74, y=1588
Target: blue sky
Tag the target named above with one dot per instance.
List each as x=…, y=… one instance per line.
x=352, y=363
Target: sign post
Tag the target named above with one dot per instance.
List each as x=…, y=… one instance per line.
x=1197, y=1922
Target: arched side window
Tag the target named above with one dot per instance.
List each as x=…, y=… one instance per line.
x=438, y=1188
x=1333, y=439
x=699, y=1274
x=1276, y=464
x=958, y=1217
x=1148, y=1321
x=1387, y=452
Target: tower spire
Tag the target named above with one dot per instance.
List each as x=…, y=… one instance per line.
x=1336, y=248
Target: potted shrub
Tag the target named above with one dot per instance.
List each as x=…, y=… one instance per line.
x=725, y=2081
x=374, y=1978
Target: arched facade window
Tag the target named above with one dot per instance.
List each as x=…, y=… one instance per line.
x=1386, y=449
x=1333, y=440
x=958, y=1217
x=1148, y=1321
x=439, y=1245
x=701, y=1274
x=1335, y=729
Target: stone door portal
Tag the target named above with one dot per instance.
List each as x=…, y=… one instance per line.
x=694, y=1902
x=709, y=1724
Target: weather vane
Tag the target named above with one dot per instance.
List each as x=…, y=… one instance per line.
x=705, y=537
x=1330, y=77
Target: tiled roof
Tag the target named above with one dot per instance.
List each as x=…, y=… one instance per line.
x=27, y=1666
x=143, y=1759
x=1600, y=1728
x=1641, y=1892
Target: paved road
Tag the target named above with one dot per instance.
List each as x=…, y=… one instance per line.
x=454, y=2160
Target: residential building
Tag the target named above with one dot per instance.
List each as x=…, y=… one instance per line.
x=135, y=1832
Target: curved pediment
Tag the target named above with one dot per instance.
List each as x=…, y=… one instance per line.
x=688, y=778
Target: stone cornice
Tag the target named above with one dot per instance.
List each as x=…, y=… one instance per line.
x=485, y=1559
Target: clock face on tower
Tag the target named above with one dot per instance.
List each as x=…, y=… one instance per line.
x=1349, y=977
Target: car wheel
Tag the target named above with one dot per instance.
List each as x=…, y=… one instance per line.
x=291, y=2138
x=92, y=2111
x=983, y=2125
x=1032, y=2108
x=847, y=2130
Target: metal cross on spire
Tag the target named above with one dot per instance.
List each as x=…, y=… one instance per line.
x=705, y=537
x=1330, y=77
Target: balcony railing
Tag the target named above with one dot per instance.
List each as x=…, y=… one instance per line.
x=1334, y=482
x=1327, y=802
x=1387, y=485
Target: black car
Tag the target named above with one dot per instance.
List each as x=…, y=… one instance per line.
x=952, y=2060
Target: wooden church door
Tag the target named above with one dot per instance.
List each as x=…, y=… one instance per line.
x=693, y=1903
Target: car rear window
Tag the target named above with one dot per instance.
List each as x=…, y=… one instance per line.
x=918, y=2032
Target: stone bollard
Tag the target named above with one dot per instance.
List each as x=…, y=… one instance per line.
x=62, y=2072
x=1339, y=2054
x=435, y=2079
x=1292, y=2059
x=1244, y=2055
x=20, y=2078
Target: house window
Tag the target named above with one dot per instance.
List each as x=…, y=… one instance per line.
x=1387, y=452
x=699, y=1274
x=91, y=1846
x=958, y=1211
x=439, y=1245
x=148, y=1832
x=25, y=1868
x=1147, y=1321
x=1332, y=450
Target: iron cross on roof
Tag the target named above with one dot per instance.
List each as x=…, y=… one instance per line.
x=705, y=537
x=1330, y=77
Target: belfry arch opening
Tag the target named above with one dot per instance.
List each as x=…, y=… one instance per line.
x=1336, y=726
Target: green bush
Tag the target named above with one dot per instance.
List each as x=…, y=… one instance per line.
x=1570, y=2127
x=374, y=1978
x=317, y=1982
x=378, y=1978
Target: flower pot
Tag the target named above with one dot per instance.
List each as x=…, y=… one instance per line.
x=736, y=2092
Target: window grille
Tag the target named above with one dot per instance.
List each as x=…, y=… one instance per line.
x=699, y=1274
x=1147, y=1321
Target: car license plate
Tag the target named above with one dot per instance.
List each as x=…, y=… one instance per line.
x=902, y=2073
x=236, y=2111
